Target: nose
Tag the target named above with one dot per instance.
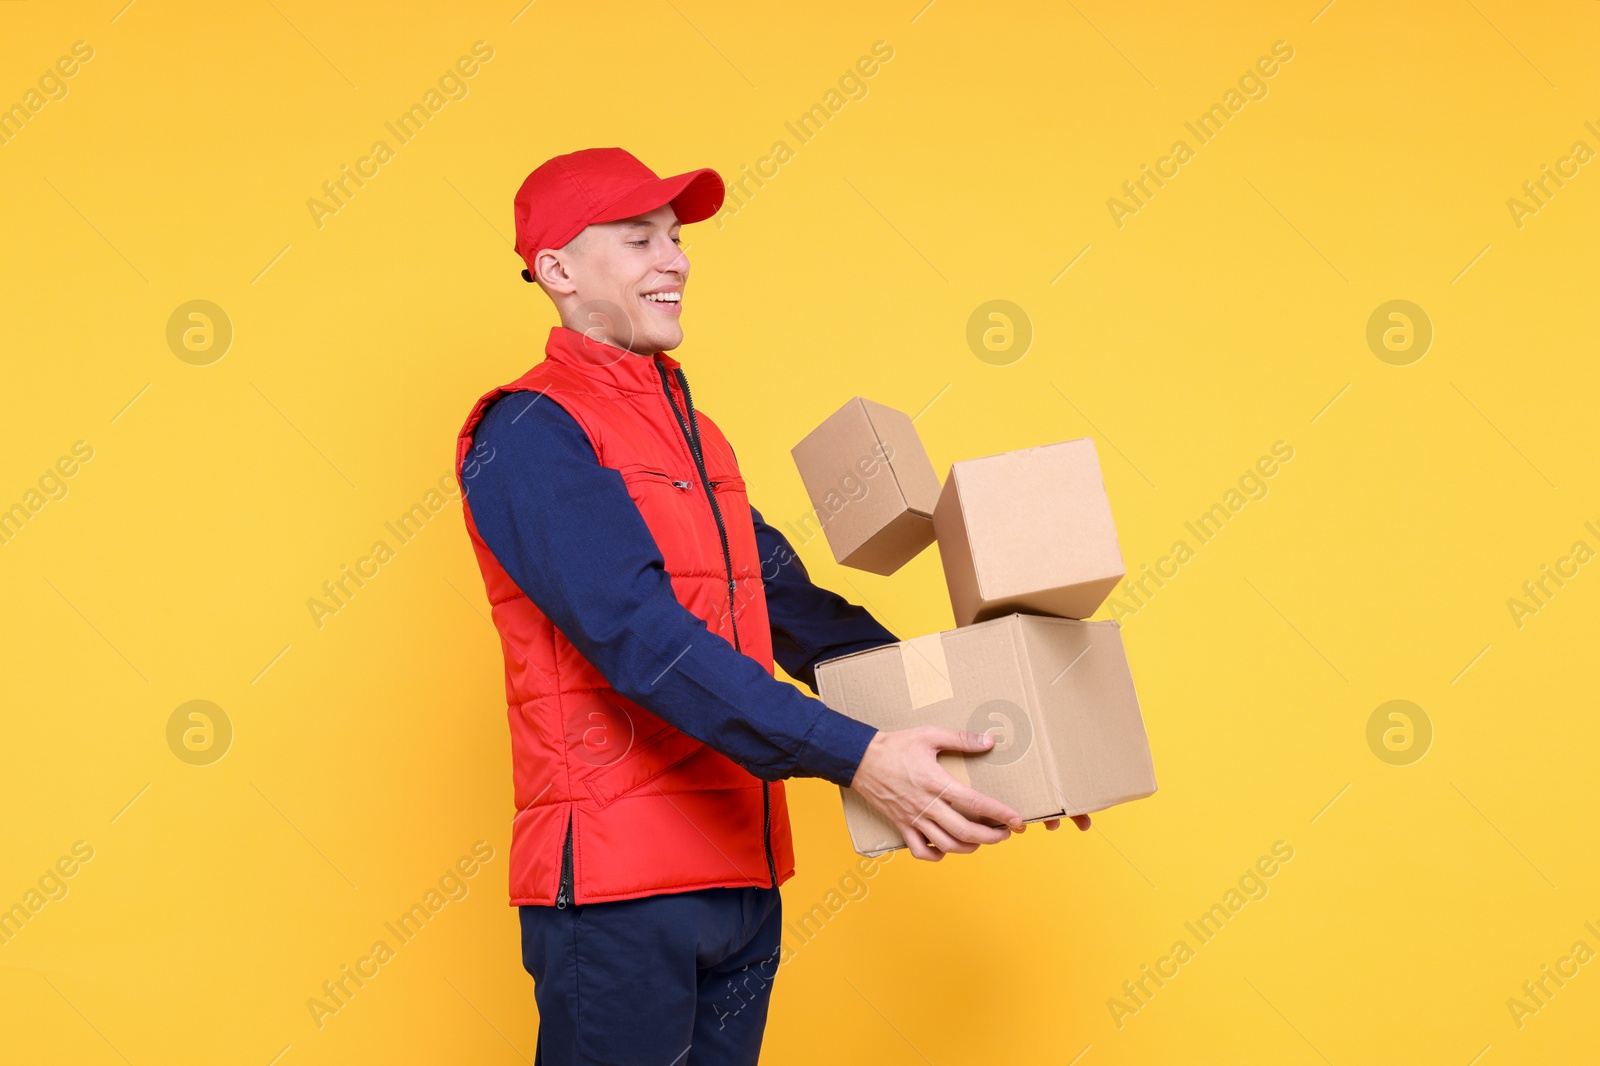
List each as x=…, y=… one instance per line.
x=674, y=260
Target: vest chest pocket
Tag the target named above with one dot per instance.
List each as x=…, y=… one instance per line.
x=665, y=492
x=641, y=479
x=637, y=475
x=732, y=499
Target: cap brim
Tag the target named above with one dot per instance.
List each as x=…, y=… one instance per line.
x=695, y=196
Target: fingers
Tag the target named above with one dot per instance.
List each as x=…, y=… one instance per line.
x=967, y=833
x=919, y=845
x=973, y=803
x=1079, y=820
x=940, y=837
x=941, y=830
x=958, y=739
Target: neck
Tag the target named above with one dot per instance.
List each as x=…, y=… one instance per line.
x=598, y=335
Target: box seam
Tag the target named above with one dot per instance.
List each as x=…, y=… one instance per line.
x=1040, y=732
x=878, y=437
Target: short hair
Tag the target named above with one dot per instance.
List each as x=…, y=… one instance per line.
x=578, y=242
x=575, y=246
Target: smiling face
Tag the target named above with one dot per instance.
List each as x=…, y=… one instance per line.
x=621, y=283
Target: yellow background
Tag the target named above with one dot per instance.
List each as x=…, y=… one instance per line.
x=1226, y=315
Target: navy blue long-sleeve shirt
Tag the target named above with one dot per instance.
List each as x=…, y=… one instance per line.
x=568, y=533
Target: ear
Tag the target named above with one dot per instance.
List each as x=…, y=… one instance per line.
x=552, y=272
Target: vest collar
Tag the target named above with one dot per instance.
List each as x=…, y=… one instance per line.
x=606, y=363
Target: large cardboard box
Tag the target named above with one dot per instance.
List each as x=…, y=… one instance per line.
x=872, y=485
x=1028, y=531
x=1056, y=693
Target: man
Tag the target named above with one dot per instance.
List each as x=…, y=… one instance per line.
x=641, y=601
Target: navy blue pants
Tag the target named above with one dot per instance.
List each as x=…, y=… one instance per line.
x=674, y=980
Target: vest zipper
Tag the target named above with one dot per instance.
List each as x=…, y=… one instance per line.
x=564, y=893
x=691, y=436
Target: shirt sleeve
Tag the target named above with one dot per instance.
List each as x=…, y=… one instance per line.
x=568, y=533
x=810, y=624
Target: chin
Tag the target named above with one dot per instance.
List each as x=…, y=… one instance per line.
x=665, y=340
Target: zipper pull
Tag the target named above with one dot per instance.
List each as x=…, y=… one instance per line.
x=684, y=485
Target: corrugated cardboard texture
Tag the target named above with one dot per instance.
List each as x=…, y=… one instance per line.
x=1057, y=694
x=1085, y=695
x=926, y=670
x=892, y=546
x=955, y=554
x=877, y=523
x=913, y=470
x=1029, y=530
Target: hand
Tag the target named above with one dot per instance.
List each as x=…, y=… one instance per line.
x=1079, y=820
x=901, y=777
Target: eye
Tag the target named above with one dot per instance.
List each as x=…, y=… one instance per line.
x=639, y=244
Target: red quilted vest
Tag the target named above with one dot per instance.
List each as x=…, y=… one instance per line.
x=650, y=809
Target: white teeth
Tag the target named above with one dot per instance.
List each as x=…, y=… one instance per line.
x=665, y=297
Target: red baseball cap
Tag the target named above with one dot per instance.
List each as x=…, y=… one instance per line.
x=572, y=191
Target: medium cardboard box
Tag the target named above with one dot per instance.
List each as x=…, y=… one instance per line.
x=1030, y=531
x=872, y=485
x=1056, y=693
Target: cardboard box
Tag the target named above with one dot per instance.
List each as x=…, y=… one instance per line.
x=1056, y=693
x=872, y=484
x=1028, y=531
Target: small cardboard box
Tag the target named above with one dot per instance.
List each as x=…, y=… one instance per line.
x=1029, y=531
x=1056, y=693
x=872, y=484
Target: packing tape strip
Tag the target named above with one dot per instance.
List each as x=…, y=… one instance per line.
x=927, y=676
x=928, y=681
